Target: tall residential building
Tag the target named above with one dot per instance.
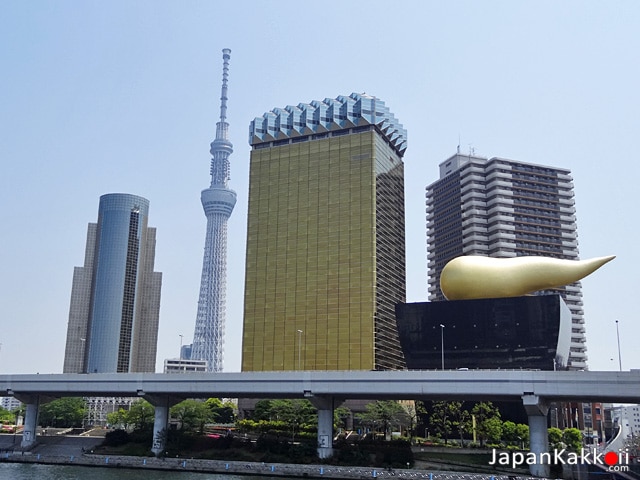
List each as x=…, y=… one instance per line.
x=218, y=202
x=115, y=296
x=325, y=261
x=504, y=208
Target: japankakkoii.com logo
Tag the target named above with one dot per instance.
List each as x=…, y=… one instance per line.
x=613, y=461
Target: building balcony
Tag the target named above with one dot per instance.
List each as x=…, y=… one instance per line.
x=501, y=227
x=474, y=220
x=503, y=244
x=493, y=175
x=578, y=365
x=500, y=200
x=570, y=298
x=500, y=184
x=572, y=244
x=475, y=249
x=569, y=201
x=478, y=229
x=572, y=289
x=474, y=203
x=566, y=185
x=502, y=237
x=475, y=239
x=500, y=209
x=476, y=177
x=473, y=194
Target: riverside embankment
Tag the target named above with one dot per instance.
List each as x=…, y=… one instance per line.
x=76, y=451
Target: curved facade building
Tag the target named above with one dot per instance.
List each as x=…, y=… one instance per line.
x=115, y=300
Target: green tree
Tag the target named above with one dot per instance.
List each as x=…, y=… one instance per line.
x=422, y=419
x=381, y=415
x=192, y=414
x=221, y=412
x=7, y=416
x=140, y=415
x=411, y=411
x=295, y=414
x=118, y=419
x=460, y=419
x=262, y=411
x=486, y=427
x=440, y=420
x=340, y=417
x=493, y=429
x=516, y=435
x=63, y=412
x=555, y=437
x=509, y=435
x=572, y=437
x=522, y=433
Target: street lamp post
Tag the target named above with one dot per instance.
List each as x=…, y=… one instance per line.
x=299, y=349
x=619, y=355
x=180, y=346
x=442, y=343
x=83, y=346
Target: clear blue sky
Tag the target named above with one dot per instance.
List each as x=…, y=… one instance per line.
x=123, y=96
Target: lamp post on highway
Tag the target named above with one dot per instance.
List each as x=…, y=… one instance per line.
x=181, y=346
x=299, y=349
x=442, y=343
x=619, y=355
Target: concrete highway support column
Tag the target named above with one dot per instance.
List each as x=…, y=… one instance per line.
x=325, y=406
x=537, y=409
x=161, y=405
x=30, y=422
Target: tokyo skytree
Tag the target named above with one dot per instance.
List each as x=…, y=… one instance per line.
x=218, y=202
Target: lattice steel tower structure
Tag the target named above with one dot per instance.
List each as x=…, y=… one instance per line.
x=218, y=201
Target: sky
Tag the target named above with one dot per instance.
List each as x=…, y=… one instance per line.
x=123, y=96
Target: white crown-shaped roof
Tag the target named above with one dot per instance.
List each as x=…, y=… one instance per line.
x=326, y=116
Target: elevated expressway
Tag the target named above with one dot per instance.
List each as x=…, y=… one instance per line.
x=327, y=389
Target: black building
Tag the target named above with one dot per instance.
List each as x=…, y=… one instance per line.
x=531, y=332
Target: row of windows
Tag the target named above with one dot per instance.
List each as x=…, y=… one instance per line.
x=534, y=186
x=536, y=212
x=538, y=247
x=536, y=180
x=539, y=238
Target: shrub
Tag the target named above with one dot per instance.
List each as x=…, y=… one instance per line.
x=115, y=438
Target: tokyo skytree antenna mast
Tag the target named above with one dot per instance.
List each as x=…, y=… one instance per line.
x=218, y=201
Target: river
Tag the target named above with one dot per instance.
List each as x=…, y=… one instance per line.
x=31, y=471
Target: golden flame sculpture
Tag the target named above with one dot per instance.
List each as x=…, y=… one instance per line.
x=469, y=277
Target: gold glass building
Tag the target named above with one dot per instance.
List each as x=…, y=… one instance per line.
x=325, y=244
